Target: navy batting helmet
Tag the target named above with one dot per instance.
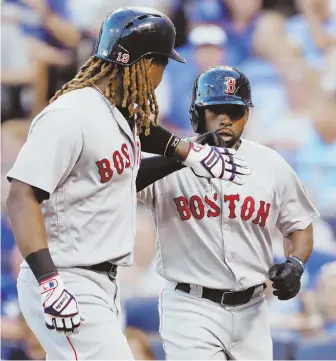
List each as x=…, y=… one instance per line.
x=218, y=85
x=130, y=33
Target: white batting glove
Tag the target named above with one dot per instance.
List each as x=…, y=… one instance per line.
x=60, y=306
x=214, y=162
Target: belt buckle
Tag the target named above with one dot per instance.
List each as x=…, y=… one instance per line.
x=223, y=296
x=112, y=273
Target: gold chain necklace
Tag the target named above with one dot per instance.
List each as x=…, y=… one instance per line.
x=95, y=86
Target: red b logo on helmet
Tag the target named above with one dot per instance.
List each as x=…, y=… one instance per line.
x=230, y=84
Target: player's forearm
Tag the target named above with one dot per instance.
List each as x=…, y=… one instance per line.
x=302, y=243
x=26, y=218
x=63, y=30
x=153, y=169
x=29, y=229
x=17, y=77
x=162, y=142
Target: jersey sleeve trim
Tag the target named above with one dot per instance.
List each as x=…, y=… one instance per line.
x=302, y=224
x=31, y=182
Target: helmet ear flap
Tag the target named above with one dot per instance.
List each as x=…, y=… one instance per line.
x=195, y=113
x=197, y=119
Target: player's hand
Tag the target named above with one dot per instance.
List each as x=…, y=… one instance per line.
x=215, y=162
x=286, y=278
x=60, y=306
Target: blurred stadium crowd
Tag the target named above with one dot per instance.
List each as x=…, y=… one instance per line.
x=287, y=48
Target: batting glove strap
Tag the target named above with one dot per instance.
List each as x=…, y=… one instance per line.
x=60, y=306
x=215, y=162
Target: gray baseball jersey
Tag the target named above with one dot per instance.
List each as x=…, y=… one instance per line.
x=82, y=151
x=217, y=234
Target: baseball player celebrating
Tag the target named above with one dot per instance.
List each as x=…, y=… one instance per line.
x=214, y=238
x=80, y=163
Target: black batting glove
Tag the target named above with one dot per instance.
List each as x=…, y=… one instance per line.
x=286, y=278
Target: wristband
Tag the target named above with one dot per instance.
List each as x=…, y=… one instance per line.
x=41, y=264
x=171, y=146
x=159, y=141
x=297, y=260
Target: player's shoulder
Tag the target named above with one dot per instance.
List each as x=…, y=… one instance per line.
x=77, y=105
x=262, y=150
x=256, y=146
x=268, y=157
x=80, y=99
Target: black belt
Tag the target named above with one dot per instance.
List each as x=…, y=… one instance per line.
x=223, y=297
x=105, y=267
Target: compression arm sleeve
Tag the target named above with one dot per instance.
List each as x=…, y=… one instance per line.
x=154, y=168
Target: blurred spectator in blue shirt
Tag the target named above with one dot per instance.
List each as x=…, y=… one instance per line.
x=238, y=19
x=315, y=30
x=268, y=92
x=209, y=11
x=291, y=126
x=52, y=41
x=206, y=48
x=11, y=331
x=239, y=26
x=315, y=162
x=49, y=21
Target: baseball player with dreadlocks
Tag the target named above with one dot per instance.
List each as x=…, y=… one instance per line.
x=72, y=200
x=214, y=238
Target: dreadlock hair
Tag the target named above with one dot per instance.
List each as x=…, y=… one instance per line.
x=139, y=96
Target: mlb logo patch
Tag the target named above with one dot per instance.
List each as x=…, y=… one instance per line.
x=49, y=285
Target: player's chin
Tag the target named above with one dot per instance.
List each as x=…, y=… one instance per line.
x=229, y=140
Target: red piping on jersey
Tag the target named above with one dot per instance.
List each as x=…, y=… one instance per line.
x=73, y=349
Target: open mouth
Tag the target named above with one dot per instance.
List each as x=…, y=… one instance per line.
x=225, y=132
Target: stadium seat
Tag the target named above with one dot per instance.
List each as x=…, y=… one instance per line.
x=157, y=348
x=316, y=350
x=332, y=222
x=142, y=313
x=284, y=343
x=280, y=350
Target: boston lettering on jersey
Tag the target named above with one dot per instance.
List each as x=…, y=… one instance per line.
x=121, y=160
x=246, y=208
